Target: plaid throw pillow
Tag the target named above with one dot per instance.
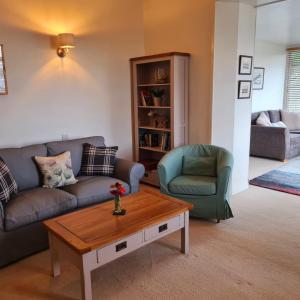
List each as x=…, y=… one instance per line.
x=98, y=160
x=8, y=185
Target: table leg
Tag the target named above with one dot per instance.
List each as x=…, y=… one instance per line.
x=54, y=256
x=86, y=284
x=185, y=234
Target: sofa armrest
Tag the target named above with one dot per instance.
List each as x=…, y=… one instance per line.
x=130, y=172
x=1, y=217
x=169, y=167
x=271, y=142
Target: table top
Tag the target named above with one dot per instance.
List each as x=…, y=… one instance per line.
x=94, y=227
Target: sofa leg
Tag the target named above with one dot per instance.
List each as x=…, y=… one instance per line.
x=218, y=220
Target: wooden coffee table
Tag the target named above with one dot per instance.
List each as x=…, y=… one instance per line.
x=92, y=237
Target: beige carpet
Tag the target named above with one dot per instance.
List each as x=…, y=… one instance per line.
x=256, y=255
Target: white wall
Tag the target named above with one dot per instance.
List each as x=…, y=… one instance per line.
x=235, y=35
x=224, y=91
x=243, y=107
x=80, y=95
x=186, y=26
x=272, y=57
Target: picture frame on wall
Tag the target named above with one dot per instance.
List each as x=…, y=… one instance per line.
x=244, y=89
x=3, y=81
x=258, y=78
x=245, y=65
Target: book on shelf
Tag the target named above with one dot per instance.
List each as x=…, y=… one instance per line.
x=146, y=98
x=165, y=142
x=149, y=140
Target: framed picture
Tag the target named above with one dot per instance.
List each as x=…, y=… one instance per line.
x=244, y=89
x=258, y=78
x=3, y=82
x=245, y=65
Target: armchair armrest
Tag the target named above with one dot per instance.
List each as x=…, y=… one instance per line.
x=130, y=172
x=169, y=167
x=272, y=142
x=224, y=168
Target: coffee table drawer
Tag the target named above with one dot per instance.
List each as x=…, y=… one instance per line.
x=162, y=229
x=120, y=248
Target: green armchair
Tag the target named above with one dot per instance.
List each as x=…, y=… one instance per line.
x=206, y=189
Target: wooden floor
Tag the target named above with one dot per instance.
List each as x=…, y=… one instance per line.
x=255, y=255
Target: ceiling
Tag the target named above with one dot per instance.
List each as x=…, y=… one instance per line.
x=279, y=22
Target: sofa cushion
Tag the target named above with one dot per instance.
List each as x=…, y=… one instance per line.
x=279, y=124
x=98, y=161
x=22, y=166
x=263, y=120
x=75, y=147
x=8, y=185
x=57, y=170
x=37, y=205
x=255, y=115
x=291, y=119
x=93, y=189
x=193, y=185
x=274, y=115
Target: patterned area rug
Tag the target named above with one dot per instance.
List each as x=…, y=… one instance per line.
x=284, y=179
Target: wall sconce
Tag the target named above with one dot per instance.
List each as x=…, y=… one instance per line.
x=65, y=41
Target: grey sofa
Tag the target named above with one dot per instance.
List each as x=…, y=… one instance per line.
x=273, y=142
x=21, y=229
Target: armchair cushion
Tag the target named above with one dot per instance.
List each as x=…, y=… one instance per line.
x=193, y=185
x=199, y=166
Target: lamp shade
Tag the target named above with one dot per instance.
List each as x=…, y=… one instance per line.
x=66, y=40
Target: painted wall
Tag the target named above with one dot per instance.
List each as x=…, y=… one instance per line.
x=80, y=95
x=186, y=26
x=224, y=91
x=235, y=35
x=243, y=108
x=272, y=57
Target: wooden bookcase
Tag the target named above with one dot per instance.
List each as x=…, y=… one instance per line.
x=158, y=123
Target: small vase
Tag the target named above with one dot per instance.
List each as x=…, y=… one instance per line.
x=118, y=209
x=156, y=101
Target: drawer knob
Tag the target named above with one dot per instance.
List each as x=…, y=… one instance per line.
x=163, y=227
x=121, y=246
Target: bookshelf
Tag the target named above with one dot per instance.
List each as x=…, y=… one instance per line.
x=159, y=87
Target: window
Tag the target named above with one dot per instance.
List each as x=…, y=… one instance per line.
x=293, y=81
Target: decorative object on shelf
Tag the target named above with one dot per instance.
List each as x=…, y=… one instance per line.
x=157, y=95
x=3, y=81
x=258, y=78
x=158, y=120
x=65, y=42
x=245, y=65
x=151, y=113
x=160, y=75
x=244, y=89
x=118, y=190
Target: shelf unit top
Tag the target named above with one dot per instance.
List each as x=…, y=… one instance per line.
x=160, y=55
